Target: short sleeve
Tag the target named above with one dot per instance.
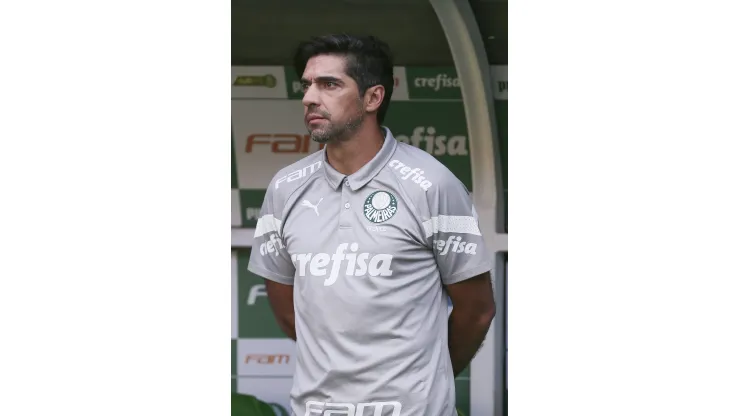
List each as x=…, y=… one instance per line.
x=270, y=258
x=453, y=233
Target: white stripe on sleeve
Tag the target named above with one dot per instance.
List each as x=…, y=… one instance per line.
x=451, y=224
x=266, y=224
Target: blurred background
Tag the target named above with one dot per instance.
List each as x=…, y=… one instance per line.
x=433, y=108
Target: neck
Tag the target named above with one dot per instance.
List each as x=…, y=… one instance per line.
x=348, y=156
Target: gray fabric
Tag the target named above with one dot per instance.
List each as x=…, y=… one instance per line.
x=368, y=256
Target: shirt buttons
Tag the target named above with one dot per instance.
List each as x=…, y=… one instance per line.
x=346, y=182
x=346, y=205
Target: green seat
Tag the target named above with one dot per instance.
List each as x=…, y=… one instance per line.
x=246, y=405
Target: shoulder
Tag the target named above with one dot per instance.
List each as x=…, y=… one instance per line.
x=418, y=171
x=295, y=175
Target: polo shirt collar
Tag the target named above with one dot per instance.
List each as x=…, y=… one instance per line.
x=371, y=169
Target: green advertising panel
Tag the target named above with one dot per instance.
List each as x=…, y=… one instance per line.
x=256, y=319
x=251, y=203
x=433, y=83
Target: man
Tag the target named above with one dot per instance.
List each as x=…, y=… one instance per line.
x=360, y=244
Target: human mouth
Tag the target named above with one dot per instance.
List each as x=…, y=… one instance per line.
x=314, y=117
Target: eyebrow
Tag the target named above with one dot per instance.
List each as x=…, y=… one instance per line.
x=325, y=78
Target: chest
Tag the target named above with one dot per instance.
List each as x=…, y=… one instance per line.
x=364, y=224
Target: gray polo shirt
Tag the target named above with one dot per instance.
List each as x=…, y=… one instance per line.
x=368, y=255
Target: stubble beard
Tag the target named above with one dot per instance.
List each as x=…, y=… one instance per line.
x=338, y=133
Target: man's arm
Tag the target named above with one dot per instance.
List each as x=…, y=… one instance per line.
x=271, y=260
x=281, y=302
x=464, y=263
x=473, y=309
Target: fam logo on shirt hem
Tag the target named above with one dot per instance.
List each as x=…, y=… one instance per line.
x=352, y=409
x=380, y=206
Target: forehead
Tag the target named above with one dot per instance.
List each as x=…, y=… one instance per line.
x=325, y=65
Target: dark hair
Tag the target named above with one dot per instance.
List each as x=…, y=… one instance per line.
x=368, y=61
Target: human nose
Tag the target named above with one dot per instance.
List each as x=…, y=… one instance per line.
x=310, y=96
